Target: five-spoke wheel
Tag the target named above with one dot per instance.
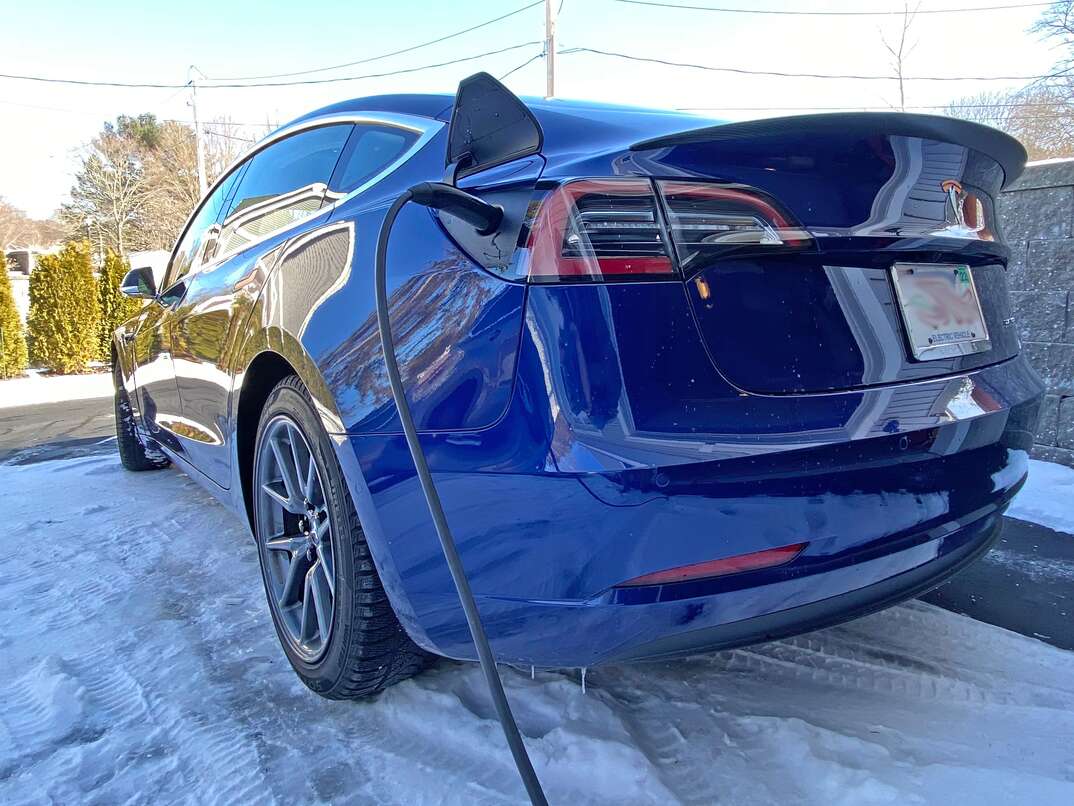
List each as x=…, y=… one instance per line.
x=295, y=528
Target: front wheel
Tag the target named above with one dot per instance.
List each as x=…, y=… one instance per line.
x=133, y=453
x=329, y=608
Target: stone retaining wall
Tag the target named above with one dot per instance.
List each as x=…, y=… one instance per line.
x=1037, y=215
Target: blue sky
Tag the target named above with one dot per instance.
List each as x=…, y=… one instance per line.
x=45, y=125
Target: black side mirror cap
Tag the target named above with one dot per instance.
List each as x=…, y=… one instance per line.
x=139, y=284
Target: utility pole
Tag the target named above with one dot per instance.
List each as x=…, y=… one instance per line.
x=550, y=48
x=199, y=139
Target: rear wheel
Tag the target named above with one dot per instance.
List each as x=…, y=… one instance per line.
x=133, y=453
x=327, y=602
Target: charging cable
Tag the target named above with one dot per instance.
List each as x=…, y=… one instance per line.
x=485, y=218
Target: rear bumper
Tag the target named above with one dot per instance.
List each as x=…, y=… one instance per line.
x=888, y=505
x=569, y=634
x=952, y=554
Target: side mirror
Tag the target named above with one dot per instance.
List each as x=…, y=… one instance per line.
x=139, y=284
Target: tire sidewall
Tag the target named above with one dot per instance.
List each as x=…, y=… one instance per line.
x=290, y=401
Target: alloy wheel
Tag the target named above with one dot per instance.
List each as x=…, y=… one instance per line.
x=295, y=532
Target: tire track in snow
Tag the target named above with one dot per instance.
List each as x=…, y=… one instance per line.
x=181, y=694
x=42, y=708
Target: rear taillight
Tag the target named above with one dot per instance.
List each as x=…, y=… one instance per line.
x=599, y=229
x=634, y=229
x=709, y=220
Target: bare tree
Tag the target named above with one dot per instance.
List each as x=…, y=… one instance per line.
x=171, y=175
x=900, y=49
x=138, y=181
x=989, y=108
x=226, y=141
x=111, y=193
x=1039, y=115
x=18, y=229
x=14, y=225
x=1057, y=23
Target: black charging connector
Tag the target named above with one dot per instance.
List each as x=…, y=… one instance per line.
x=486, y=217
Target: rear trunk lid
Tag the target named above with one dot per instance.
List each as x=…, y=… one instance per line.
x=882, y=260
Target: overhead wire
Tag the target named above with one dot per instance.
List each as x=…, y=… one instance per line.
x=821, y=13
x=385, y=55
x=526, y=63
x=216, y=86
x=787, y=74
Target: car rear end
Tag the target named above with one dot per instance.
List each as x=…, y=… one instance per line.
x=768, y=379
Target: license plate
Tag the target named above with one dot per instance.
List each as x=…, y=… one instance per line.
x=940, y=309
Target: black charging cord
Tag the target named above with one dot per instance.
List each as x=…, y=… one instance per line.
x=444, y=195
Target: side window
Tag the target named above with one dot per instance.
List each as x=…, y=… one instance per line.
x=371, y=149
x=284, y=184
x=200, y=234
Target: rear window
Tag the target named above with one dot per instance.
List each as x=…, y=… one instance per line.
x=284, y=184
x=370, y=150
x=295, y=163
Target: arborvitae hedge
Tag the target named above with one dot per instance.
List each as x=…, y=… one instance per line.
x=115, y=308
x=13, y=357
x=65, y=314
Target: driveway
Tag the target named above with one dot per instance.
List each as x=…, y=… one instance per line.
x=140, y=666
x=56, y=430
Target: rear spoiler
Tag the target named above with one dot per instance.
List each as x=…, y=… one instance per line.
x=1003, y=148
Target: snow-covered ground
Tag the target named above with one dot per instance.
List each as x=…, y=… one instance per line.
x=36, y=387
x=139, y=665
x=1047, y=497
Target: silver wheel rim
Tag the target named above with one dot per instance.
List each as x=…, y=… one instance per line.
x=295, y=533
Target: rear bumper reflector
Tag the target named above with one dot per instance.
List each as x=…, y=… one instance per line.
x=715, y=568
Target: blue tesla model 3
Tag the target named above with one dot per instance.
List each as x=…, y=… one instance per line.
x=706, y=384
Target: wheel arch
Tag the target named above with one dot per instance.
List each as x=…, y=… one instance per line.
x=273, y=355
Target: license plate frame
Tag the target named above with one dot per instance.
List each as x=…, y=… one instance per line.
x=940, y=310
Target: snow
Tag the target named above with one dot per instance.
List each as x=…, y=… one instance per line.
x=1047, y=497
x=1049, y=161
x=35, y=388
x=140, y=665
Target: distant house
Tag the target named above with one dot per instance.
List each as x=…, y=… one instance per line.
x=20, y=263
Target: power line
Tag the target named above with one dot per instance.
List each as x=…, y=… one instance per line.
x=231, y=137
x=385, y=55
x=397, y=72
x=785, y=13
x=528, y=61
x=780, y=74
x=87, y=83
x=139, y=85
x=866, y=107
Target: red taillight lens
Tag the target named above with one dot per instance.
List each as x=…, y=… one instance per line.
x=716, y=568
x=709, y=220
x=619, y=228
x=598, y=229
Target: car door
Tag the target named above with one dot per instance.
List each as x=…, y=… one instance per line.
x=279, y=196
x=154, y=373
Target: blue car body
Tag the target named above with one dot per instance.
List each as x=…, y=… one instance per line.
x=586, y=436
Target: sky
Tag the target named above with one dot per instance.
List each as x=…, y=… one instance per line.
x=44, y=126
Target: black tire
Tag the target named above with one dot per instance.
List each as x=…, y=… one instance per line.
x=367, y=648
x=133, y=454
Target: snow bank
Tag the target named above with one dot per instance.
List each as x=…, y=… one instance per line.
x=139, y=662
x=1047, y=497
x=36, y=388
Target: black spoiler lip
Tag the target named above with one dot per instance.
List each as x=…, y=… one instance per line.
x=1001, y=147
